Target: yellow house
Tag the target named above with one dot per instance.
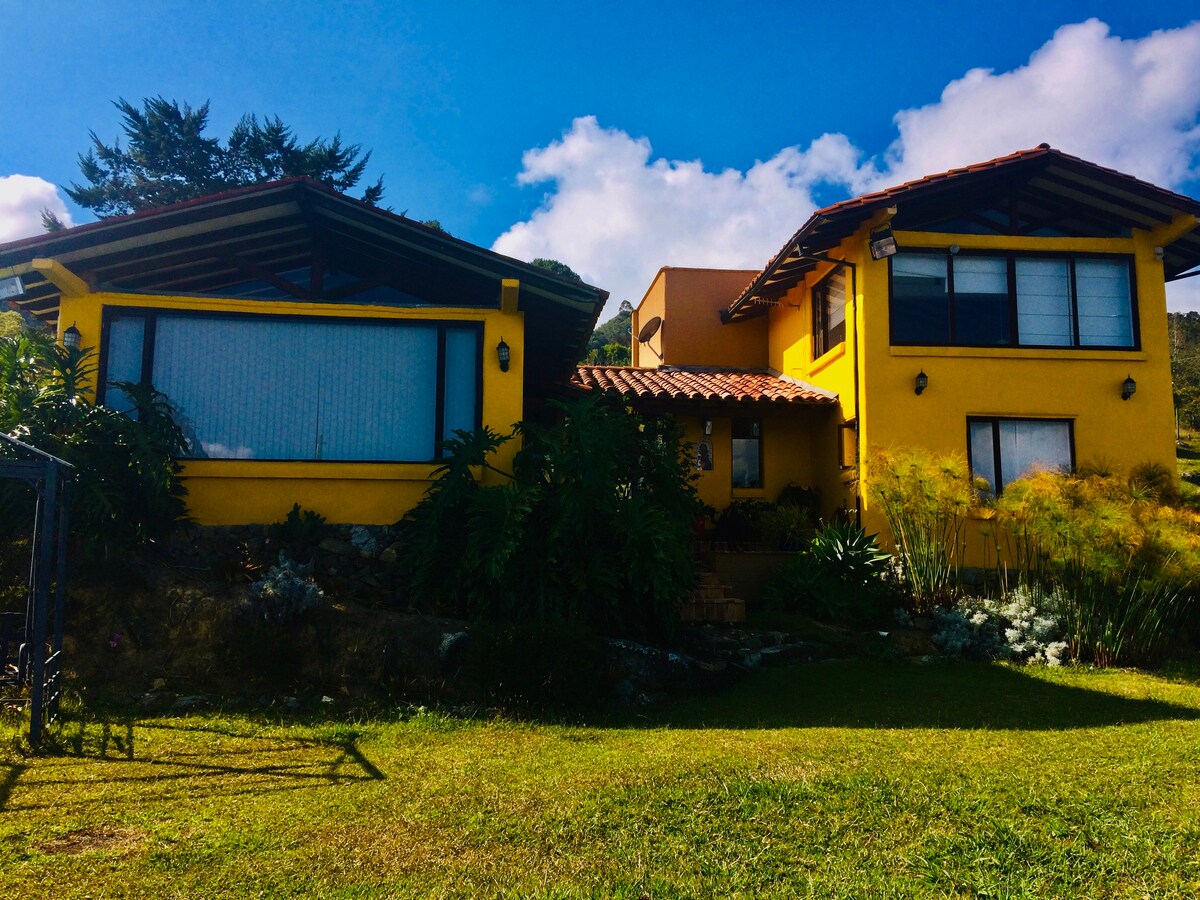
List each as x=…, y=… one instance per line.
x=1012, y=311
x=316, y=349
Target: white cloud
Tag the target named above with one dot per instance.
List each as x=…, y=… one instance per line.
x=22, y=199
x=1184, y=295
x=615, y=213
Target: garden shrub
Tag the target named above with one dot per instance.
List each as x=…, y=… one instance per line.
x=284, y=593
x=548, y=663
x=299, y=532
x=1014, y=627
x=594, y=525
x=127, y=488
x=741, y=523
x=1126, y=568
x=838, y=577
x=925, y=499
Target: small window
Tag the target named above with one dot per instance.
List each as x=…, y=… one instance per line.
x=747, y=453
x=1003, y=450
x=829, y=313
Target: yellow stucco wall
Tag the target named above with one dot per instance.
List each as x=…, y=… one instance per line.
x=1077, y=384
x=791, y=453
x=690, y=302
x=230, y=492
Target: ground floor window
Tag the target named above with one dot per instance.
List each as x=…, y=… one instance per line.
x=747, y=453
x=301, y=388
x=1004, y=449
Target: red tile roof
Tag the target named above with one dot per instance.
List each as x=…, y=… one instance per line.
x=698, y=384
x=856, y=209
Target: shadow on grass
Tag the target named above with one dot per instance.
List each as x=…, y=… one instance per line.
x=213, y=760
x=900, y=695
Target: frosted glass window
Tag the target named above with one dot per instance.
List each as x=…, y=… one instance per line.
x=1003, y=450
x=981, y=300
x=1044, y=302
x=462, y=378
x=305, y=389
x=124, y=353
x=1105, y=308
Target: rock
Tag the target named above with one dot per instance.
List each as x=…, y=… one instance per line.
x=156, y=702
x=452, y=648
x=338, y=547
x=389, y=555
x=158, y=684
x=911, y=642
x=191, y=701
x=363, y=541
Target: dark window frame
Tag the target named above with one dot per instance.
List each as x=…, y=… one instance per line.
x=997, y=461
x=150, y=317
x=757, y=439
x=1012, y=256
x=821, y=335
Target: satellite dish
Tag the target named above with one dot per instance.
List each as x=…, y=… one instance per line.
x=649, y=330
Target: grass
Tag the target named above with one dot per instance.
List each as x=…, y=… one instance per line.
x=844, y=779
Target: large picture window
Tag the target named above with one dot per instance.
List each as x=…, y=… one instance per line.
x=829, y=313
x=1011, y=299
x=1002, y=450
x=283, y=388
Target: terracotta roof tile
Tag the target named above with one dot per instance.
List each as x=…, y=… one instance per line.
x=699, y=384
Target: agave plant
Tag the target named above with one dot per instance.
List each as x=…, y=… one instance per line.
x=846, y=550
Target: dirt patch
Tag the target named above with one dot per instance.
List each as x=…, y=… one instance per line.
x=97, y=839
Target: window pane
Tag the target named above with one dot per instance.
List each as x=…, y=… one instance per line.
x=920, y=302
x=261, y=389
x=981, y=300
x=1027, y=445
x=124, y=359
x=1044, y=302
x=378, y=390
x=462, y=365
x=829, y=308
x=1105, y=306
x=746, y=438
x=983, y=452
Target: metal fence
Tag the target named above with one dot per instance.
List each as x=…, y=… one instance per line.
x=31, y=641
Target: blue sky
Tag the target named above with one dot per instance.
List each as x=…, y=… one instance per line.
x=716, y=127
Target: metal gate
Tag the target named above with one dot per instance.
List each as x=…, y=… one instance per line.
x=31, y=642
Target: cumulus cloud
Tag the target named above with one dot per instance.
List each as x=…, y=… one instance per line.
x=615, y=213
x=22, y=199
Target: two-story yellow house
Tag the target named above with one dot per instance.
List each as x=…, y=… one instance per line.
x=315, y=348
x=1012, y=311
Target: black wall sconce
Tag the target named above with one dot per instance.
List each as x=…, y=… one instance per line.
x=72, y=338
x=922, y=382
x=1128, y=388
x=503, y=354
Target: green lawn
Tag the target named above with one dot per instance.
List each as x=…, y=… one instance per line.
x=846, y=779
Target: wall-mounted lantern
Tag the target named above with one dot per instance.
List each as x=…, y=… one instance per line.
x=922, y=382
x=708, y=426
x=883, y=243
x=503, y=355
x=72, y=338
x=1128, y=388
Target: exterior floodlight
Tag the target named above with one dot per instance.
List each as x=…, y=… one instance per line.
x=11, y=287
x=883, y=243
x=72, y=338
x=921, y=383
x=1128, y=388
x=503, y=355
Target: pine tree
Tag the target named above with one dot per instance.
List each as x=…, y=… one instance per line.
x=168, y=158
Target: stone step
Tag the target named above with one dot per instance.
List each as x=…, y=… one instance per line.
x=710, y=592
x=727, y=609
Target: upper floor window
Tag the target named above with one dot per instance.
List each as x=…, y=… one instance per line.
x=1011, y=299
x=829, y=313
